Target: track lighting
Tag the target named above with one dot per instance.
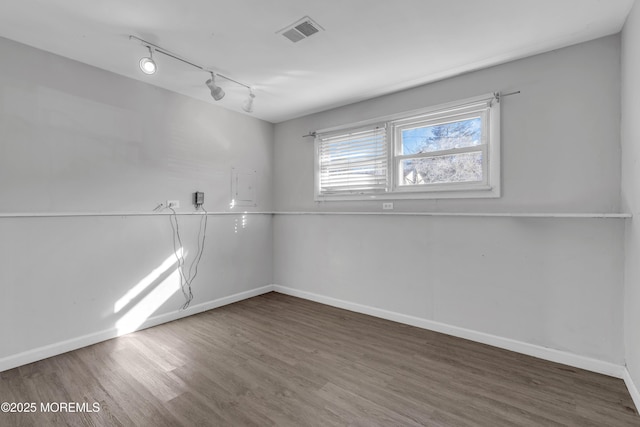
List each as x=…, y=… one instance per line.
x=216, y=91
x=147, y=64
x=248, y=104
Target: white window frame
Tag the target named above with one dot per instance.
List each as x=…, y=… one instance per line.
x=485, y=106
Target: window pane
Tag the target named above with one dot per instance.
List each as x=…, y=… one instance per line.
x=464, y=167
x=463, y=133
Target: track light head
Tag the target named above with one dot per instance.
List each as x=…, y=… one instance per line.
x=248, y=103
x=217, y=92
x=147, y=64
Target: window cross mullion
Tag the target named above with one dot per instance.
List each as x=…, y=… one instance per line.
x=473, y=148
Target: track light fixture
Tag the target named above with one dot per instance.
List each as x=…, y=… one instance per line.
x=217, y=92
x=148, y=66
x=248, y=104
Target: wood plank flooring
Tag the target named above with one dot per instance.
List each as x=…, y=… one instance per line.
x=276, y=360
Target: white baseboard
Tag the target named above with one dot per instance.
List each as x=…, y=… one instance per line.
x=540, y=352
x=631, y=386
x=44, y=352
x=545, y=353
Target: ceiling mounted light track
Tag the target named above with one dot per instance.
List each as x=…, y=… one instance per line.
x=149, y=66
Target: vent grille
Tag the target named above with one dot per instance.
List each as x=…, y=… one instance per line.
x=300, y=29
x=307, y=28
x=293, y=35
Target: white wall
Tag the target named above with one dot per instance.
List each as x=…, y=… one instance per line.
x=554, y=283
x=631, y=187
x=74, y=138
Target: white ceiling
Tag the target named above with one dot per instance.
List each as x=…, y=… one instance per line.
x=368, y=48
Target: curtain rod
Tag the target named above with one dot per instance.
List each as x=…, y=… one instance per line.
x=496, y=95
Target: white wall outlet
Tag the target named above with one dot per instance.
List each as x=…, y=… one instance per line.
x=387, y=205
x=175, y=204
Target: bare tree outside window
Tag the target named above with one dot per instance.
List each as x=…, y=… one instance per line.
x=459, y=167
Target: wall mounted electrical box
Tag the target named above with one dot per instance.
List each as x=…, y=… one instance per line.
x=243, y=187
x=198, y=198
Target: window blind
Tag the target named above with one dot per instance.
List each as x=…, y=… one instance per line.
x=353, y=161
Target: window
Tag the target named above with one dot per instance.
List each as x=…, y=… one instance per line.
x=446, y=151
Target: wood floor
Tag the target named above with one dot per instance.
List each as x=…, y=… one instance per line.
x=282, y=361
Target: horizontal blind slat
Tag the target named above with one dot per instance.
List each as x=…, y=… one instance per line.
x=353, y=161
x=354, y=180
x=353, y=164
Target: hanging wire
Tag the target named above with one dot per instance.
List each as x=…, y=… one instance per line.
x=202, y=231
x=186, y=280
x=179, y=252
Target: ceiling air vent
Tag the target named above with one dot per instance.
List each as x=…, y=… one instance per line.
x=300, y=29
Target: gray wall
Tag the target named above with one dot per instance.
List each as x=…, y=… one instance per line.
x=74, y=138
x=555, y=283
x=560, y=136
x=631, y=187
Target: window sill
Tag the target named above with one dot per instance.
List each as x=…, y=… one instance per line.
x=477, y=193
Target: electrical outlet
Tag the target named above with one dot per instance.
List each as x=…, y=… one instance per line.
x=387, y=206
x=175, y=204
